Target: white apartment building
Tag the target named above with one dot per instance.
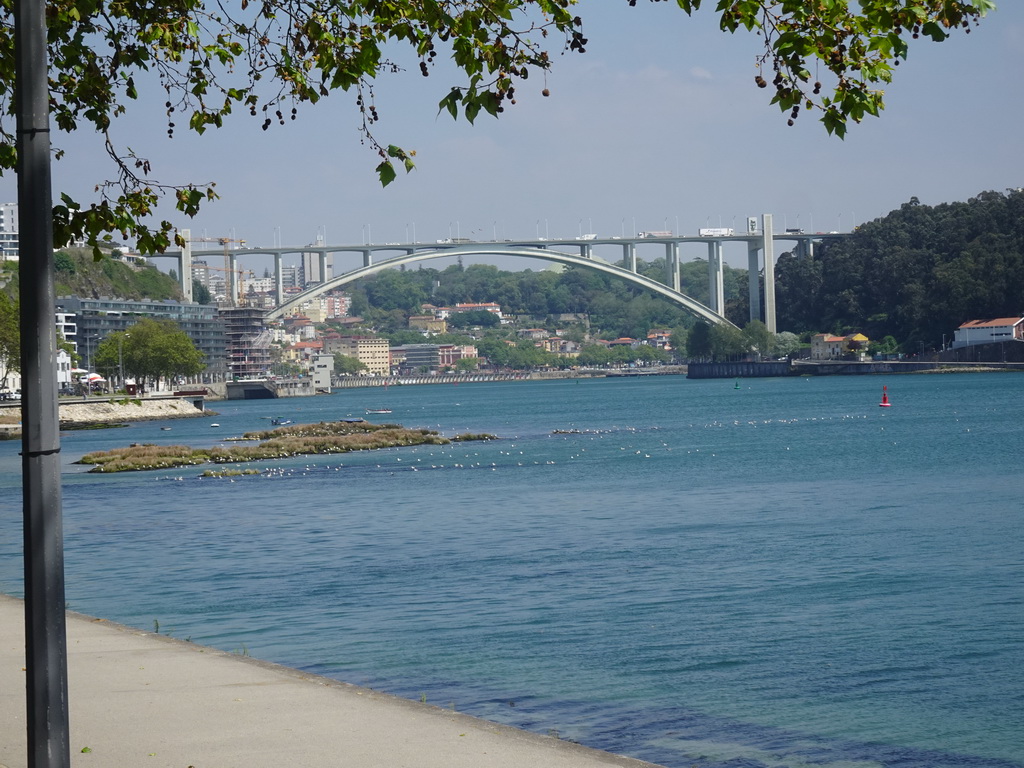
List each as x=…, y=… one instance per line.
x=9, y=243
x=988, y=331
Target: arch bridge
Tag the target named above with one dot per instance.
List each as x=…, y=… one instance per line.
x=760, y=250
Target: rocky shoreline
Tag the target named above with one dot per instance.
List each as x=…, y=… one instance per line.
x=87, y=412
x=116, y=411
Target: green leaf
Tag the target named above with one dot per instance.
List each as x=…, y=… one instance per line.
x=386, y=172
x=451, y=102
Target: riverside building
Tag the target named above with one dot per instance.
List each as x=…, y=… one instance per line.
x=95, y=319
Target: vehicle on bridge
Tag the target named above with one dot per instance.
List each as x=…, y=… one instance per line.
x=655, y=233
x=716, y=232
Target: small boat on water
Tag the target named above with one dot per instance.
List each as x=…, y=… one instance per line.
x=214, y=425
x=280, y=422
x=378, y=410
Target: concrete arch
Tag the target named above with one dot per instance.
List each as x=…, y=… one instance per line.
x=692, y=306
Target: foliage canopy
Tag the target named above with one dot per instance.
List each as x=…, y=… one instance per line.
x=269, y=58
x=10, y=337
x=916, y=274
x=152, y=349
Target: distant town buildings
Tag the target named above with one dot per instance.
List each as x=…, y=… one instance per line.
x=660, y=338
x=312, y=274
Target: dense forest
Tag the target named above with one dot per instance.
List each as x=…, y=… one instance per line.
x=916, y=274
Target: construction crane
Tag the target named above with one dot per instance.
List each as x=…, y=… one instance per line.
x=226, y=242
x=239, y=298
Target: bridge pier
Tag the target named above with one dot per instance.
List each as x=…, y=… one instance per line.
x=279, y=278
x=629, y=256
x=676, y=281
x=672, y=265
x=185, y=265
x=716, y=279
x=753, y=280
x=769, y=271
x=367, y=258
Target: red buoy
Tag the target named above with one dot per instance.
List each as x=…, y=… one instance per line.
x=885, y=399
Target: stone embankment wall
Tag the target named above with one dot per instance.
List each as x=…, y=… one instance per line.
x=738, y=370
x=131, y=410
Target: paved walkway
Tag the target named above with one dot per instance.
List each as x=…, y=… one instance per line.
x=139, y=699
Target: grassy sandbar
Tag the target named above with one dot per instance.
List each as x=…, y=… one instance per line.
x=291, y=440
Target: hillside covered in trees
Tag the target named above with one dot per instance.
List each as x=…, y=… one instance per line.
x=614, y=307
x=916, y=274
x=78, y=274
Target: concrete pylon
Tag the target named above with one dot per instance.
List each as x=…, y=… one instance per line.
x=185, y=267
x=674, y=269
x=769, y=272
x=279, y=278
x=716, y=278
x=753, y=280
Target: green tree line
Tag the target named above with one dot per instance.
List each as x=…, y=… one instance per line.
x=916, y=274
x=153, y=349
x=614, y=307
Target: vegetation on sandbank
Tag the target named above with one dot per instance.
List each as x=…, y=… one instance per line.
x=291, y=440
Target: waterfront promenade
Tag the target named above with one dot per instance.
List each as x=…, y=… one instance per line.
x=144, y=699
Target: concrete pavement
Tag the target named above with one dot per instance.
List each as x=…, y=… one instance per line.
x=139, y=699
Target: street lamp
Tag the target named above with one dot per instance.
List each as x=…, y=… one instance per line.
x=120, y=357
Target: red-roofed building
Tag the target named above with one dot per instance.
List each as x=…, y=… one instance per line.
x=660, y=338
x=302, y=352
x=989, y=331
x=825, y=346
x=623, y=341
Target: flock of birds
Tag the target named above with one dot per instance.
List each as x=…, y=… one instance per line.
x=634, y=442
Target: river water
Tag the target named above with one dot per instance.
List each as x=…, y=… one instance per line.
x=772, y=572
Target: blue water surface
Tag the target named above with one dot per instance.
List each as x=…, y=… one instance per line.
x=779, y=575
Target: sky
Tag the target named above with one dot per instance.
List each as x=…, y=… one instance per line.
x=659, y=125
